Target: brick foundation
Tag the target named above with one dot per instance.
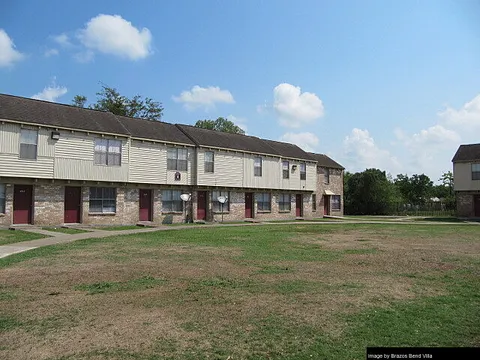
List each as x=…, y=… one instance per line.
x=465, y=205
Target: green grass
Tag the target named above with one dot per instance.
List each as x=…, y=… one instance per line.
x=64, y=230
x=212, y=285
x=15, y=236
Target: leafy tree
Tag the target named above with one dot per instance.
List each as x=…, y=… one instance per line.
x=110, y=100
x=415, y=190
x=221, y=124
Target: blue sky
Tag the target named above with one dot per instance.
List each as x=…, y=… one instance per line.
x=388, y=84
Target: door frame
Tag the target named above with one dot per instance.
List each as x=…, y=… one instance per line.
x=204, y=204
x=326, y=204
x=150, y=204
x=298, y=205
x=251, y=203
x=30, y=205
x=79, y=215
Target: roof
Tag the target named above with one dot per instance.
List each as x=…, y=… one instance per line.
x=219, y=139
x=469, y=152
x=325, y=161
x=72, y=117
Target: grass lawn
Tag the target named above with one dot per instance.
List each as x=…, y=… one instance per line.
x=294, y=291
x=65, y=230
x=15, y=236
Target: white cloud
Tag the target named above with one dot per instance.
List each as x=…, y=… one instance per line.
x=84, y=56
x=295, y=108
x=467, y=118
x=62, y=40
x=8, y=54
x=50, y=52
x=361, y=152
x=199, y=97
x=111, y=34
x=239, y=121
x=305, y=140
x=51, y=93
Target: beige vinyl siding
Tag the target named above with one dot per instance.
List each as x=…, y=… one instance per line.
x=294, y=182
x=45, y=145
x=75, y=147
x=463, y=177
x=9, y=138
x=228, y=169
x=271, y=172
x=311, y=182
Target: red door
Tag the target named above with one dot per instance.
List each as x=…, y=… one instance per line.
x=201, y=205
x=22, y=204
x=299, y=205
x=145, y=206
x=249, y=205
x=73, y=204
x=476, y=204
x=326, y=205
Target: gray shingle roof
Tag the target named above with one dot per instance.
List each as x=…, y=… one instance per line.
x=325, y=161
x=212, y=138
x=469, y=152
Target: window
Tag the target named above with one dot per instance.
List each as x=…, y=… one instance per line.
x=314, y=202
x=171, y=201
x=326, y=176
x=263, y=202
x=103, y=200
x=285, y=169
x=257, y=166
x=209, y=161
x=284, y=203
x=475, y=171
x=2, y=198
x=177, y=159
x=108, y=152
x=216, y=206
x=319, y=170
x=336, y=202
x=303, y=171
x=28, y=144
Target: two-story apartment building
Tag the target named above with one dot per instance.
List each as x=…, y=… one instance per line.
x=466, y=177
x=63, y=164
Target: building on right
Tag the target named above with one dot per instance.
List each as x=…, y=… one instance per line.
x=329, y=192
x=466, y=176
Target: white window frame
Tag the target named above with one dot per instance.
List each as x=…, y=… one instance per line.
x=476, y=171
x=303, y=171
x=264, y=202
x=216, y=206
x=177, y=159
x=171, y=201
x=209, y=166
x=108, y=152
x=257, y=166
x=106, y=197
x=285, y=169
x=284, y=202
x=3, y=192
x=28, y=141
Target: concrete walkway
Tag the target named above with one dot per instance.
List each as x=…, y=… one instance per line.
x=62, y=238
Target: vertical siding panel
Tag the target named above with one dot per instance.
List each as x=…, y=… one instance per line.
x=9, y=138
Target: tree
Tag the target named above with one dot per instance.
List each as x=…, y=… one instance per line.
x=221, y=124
x=415, y=190
x=368, y=193
x=110, y=100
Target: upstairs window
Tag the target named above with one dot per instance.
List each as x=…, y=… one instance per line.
x=28, y=144
x=103, y=200
x=171, y=201
x=284, y=203
x=264, y=202
x=303, y=171
x=257, y=166
x=2, y=198
x=177, y=159
x=108, y=152
x=285, y=169
x=216, y=206
x=326, y=176
x=209, y=161
x=475, y=171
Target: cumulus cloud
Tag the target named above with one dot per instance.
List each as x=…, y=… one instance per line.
x=306, y=140
x=111, y=34
x=62, y=40
x=51, y=93
x=361, y=152
x=8, y=53
x=84, y=56
x=295, y=108
x=466, y=118
x=50, y=52
x=206, y=98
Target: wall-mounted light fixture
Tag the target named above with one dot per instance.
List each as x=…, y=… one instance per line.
x=294, y=167
x=55, y=135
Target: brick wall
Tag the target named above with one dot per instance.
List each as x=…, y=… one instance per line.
x=335, y=185
x=6, y=219
x=465, y=206
x=48, y=205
